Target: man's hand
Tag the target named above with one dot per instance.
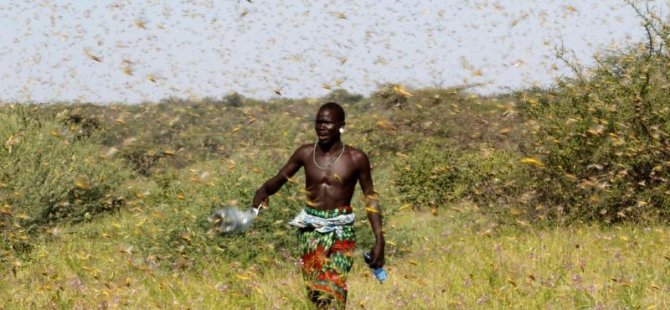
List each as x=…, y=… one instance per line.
x=260, y=201
x=377, y=254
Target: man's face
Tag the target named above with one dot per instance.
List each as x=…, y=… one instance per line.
x=327, y=126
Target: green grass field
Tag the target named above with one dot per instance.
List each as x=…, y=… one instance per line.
x=454, y=259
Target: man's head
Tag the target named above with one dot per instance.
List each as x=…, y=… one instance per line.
x=335, y=107
x=329, y=122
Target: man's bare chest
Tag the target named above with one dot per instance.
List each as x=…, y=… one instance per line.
x=340, y=173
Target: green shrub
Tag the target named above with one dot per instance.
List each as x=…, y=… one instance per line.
x=391, y=96
x=602, y=138
x=428, y=177
x=233, y=99
x=51, y=173
x=342, y=96
x=434, y=175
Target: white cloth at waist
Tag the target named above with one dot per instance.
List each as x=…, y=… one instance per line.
x=323, y=225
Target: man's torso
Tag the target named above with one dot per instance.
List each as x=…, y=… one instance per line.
x=330, y=187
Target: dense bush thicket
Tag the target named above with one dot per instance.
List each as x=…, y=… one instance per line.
x=432, y=176
x=51, y=171
x=454, y=146
x=438, y=175
x=601, y=139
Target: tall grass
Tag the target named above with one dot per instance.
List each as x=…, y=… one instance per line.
x=457, y=259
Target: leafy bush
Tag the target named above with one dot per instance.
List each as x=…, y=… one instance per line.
x=342, y=96
x=391, y=96
x=51, y=174
x=427, y=177
x=602, y=138
x=433, y=176
x=233, y=99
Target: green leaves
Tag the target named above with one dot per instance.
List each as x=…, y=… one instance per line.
x=609, y=132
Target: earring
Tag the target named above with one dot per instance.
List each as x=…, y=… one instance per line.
x=341, y=130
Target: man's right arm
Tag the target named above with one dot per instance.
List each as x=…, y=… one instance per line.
x=273, y=185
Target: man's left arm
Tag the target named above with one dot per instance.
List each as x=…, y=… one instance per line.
x=373, y=210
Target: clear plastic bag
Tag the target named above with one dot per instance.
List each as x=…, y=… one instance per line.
x=229, y=220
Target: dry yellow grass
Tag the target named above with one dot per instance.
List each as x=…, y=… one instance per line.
x=451, y=260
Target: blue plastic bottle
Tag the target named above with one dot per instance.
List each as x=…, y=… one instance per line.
x=379, y=273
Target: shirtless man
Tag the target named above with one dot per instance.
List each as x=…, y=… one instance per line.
x=325, y=226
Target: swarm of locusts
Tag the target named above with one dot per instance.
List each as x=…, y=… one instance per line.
x=118, y=206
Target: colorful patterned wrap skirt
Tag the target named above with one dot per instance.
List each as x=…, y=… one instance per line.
x=326, y=258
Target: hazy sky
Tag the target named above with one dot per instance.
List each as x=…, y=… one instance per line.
x=134, y=51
